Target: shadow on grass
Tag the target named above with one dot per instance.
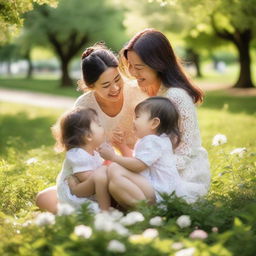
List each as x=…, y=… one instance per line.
x=25, y=133
x=234, y=104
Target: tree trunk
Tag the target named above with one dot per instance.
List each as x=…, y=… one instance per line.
x=197, y=65
x=243, y=47
x=30, y=66
x=66, y=81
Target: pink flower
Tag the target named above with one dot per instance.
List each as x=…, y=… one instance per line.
x=198, y=234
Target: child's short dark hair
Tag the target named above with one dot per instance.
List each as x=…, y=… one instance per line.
x=71, y=127
x=164, y=109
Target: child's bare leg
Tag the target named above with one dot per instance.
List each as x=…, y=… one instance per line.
x=101, y=188
x=127, y=187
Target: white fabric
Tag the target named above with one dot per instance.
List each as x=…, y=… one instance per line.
x=191, y=158
x=124, y=120
x=156, y=152
x=77, y=160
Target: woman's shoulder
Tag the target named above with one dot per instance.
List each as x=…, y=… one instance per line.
x=178, y=95
x=84, y=100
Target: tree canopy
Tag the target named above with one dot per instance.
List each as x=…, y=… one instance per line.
x=11, y=12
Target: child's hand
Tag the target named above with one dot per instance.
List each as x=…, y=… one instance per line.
x=118, y=137
x=107, y=152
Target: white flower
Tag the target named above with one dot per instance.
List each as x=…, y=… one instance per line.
x=116, y=246
x=219, y=139
x=183, y=221
x=177, y=245
x=132, y=218
x=107, y=222
x=116, y=215
x=45, y=218
x=150, y=233
x=215, y=230
x=31, y=161
x=83, y=231
x=27, y=223
x=186, y=252
x=65, y=209
x=238, y=151
x=156, y=221
x=198, y=234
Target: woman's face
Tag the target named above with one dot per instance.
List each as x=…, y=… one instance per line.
x=147, y=77
x=109, y=86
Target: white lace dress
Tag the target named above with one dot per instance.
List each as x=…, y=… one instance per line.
x=124, y=120
x=156, y=152
x=191, y=158
x=77, y=160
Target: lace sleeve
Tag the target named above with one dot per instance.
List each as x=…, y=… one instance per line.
x=187, y=125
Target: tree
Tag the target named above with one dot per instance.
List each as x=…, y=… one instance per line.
x=11, y=15
x=231, y=20
x=74, y=24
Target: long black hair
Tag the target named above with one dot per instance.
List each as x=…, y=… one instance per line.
x=164, y=109
x=155, y=50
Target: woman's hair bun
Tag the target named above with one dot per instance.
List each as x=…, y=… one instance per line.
x=87, y=52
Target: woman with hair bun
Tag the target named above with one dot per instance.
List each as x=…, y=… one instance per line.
x=105, y=92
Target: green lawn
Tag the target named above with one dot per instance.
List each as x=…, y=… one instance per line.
x=230, y=205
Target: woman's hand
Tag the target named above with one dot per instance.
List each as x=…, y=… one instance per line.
x=107, y=152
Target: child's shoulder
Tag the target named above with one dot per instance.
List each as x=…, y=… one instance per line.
x=76, y=154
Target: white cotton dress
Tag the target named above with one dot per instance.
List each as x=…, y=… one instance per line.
x=77, y=160
x=191, y=158
x=156, y=152
x=124, y=120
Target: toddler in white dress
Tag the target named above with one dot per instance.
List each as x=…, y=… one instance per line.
x=80, y=133
x=156, y=124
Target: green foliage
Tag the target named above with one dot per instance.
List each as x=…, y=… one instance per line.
x=230, y=205
x=10, y=15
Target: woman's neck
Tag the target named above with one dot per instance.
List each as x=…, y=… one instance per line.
x=108, y=107
x=153, y=89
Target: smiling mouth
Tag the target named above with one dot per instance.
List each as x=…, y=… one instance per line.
x=114, y=95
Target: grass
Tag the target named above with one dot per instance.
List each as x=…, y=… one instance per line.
x=25, y=134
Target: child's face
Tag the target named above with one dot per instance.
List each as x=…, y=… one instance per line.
x=97, y=133
x=143, y=125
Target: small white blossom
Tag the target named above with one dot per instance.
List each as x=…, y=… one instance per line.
x=215, y=230
x=116, y=246
x=65, y=209
x=156, y=221
x=83, y=231
x=107, y=222
x=150, y=233
x=177, y=246
x=132, y=218
x=116, y=215
x=31, y=161
x=45, y=218
x=183, y=221
x=198, y=234
x=186, y=252
x=219, y=139
x=27, y=223
x=238, y=151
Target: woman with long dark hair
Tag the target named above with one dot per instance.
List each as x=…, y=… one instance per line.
x=150, y=59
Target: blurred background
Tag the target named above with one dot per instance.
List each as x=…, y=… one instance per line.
x=41, y=41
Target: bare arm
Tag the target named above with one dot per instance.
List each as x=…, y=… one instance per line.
x=131, y=163
x=82, y=176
